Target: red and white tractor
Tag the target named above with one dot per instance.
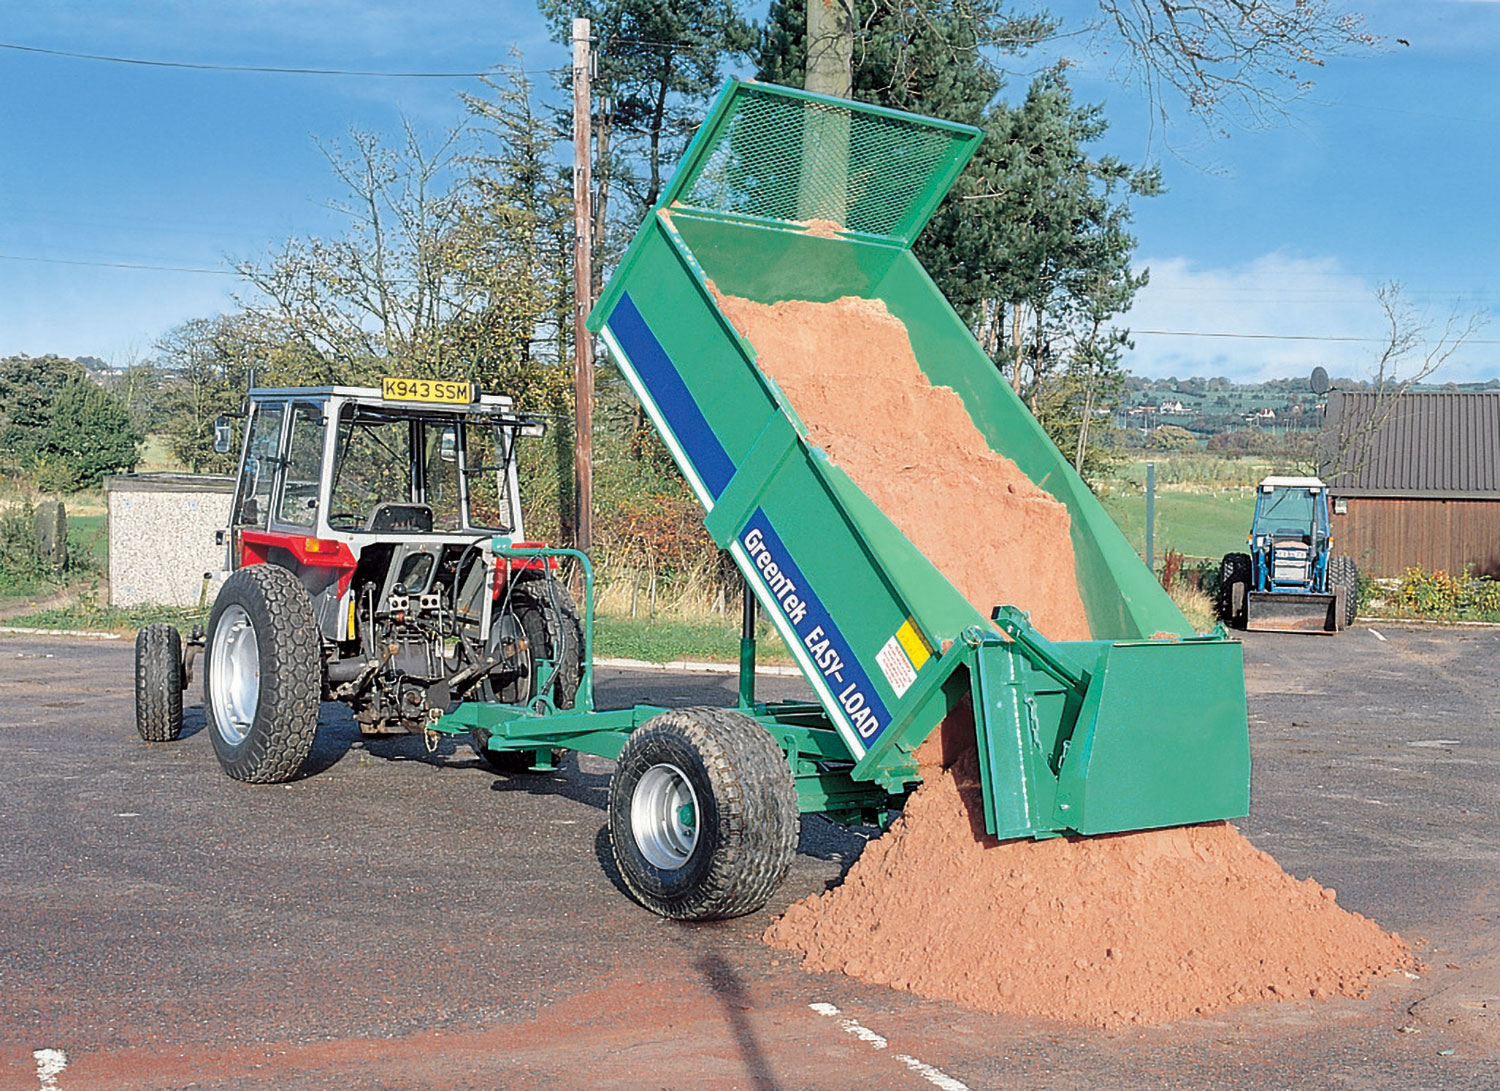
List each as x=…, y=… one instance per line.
x=360, y=571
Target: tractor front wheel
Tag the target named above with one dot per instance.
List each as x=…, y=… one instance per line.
x=158, y=683
x=263, y=675
x=1234, y=586
x=1344, y=576
x=703, y=818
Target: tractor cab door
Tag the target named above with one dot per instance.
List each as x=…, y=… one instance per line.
x=259, y=470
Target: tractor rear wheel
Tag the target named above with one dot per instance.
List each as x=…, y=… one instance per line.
x=703, y=817
x=548, y=619
x=158, y=683
x=263, y=675
x=1343, y=575
x=1234, y=586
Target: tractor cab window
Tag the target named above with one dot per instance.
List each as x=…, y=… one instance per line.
x=1287, y=513
x=304, y=460
x=372, y=475
x=262, y=459
x=487, y=458
x=440, y=473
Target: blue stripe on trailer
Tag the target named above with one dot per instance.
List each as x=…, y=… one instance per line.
x=671, y=395
x=835, y=669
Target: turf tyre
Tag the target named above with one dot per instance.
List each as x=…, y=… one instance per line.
x=1234, y=570
x=159, y=680
x=263, y=675
x=1342, y=573
x=745, y=822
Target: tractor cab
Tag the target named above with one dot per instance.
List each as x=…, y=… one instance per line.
x=1289, y=536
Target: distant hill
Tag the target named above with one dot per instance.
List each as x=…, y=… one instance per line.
x=1210, y=406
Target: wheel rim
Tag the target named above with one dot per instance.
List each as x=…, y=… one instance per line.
x=664, y=817
x=235, y=674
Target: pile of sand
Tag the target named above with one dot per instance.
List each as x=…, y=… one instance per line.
x=1139, y=927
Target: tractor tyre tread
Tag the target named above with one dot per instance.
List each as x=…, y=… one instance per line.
x=1342, y=572
x=564, y=634
x=158, y=683
x=291, y=675
x=512, y=763
x=1233, y=569
x=749, y=819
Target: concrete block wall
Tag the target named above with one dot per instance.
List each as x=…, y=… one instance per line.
x=161, y=537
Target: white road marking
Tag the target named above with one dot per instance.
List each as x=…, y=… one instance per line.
x=49, y=1065
x=1377, y=635
x=1435, y=744
x=935, y=1076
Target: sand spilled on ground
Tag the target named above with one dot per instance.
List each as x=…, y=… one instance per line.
x=1130, y=928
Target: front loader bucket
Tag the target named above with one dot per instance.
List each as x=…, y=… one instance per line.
x=1097, y=741
x=1293, y=612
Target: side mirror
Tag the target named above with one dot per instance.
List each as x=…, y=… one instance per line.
x=223, y=436
x=448, y=446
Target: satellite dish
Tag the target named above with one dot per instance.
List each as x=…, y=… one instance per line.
x=1319, y=382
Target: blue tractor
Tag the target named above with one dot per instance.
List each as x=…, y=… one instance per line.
x=1291, y=580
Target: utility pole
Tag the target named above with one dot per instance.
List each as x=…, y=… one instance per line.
x=583, y=279
x=829, y=69
x=830, y=47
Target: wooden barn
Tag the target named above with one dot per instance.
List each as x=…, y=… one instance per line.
x=1414, y=479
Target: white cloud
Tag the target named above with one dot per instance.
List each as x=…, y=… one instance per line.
x=1285, y=314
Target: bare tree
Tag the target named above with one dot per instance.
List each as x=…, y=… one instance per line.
x=1413, y=349
x=384, y=288
x=1232, y=60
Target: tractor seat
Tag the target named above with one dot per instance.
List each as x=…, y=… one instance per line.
x=411, y=518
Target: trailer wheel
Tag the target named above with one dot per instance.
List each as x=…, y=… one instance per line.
x=1234, y=583
x=1342, y=574
x=549, y=620
x=158, y=683
x=703, y=818
x=263, y=675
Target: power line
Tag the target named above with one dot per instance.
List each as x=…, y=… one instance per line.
x=1287, y=337
x=122, y=265
x=266, y=69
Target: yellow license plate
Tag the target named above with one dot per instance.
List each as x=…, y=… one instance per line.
x=426, y=390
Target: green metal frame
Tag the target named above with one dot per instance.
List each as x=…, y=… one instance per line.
x=1142, y=726
x=818, y=758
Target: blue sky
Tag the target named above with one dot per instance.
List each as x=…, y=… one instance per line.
x=1386, y=171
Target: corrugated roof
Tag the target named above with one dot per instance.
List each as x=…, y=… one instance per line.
x=1435, y=444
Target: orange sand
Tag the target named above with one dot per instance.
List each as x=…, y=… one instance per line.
x=1139, y=927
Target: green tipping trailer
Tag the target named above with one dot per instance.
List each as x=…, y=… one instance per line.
x=1142, y=726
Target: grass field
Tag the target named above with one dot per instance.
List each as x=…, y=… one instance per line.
x=665, y=639
x=88, y=540
x=1198, y=524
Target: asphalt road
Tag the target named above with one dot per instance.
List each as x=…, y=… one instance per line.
x=400, y=919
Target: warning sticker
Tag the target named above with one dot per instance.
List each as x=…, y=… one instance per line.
x=896, y=667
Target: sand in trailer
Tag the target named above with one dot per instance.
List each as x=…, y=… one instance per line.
x=1137, y=927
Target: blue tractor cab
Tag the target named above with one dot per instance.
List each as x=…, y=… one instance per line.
x=1290, y=580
